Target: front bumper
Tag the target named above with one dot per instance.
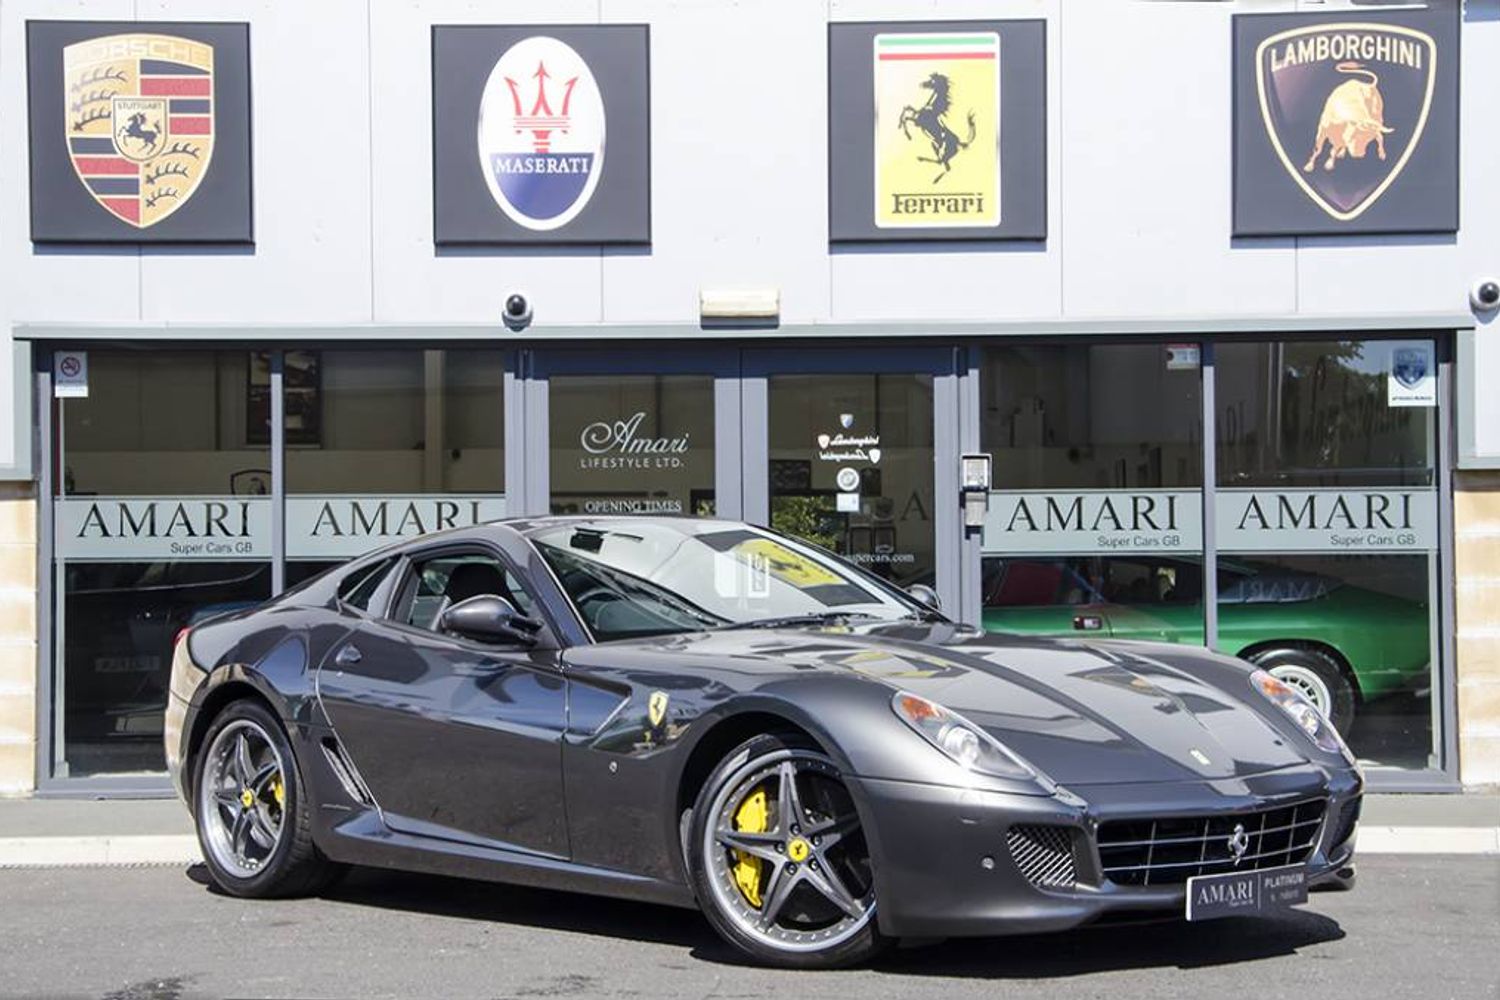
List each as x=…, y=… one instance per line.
x=943, y=868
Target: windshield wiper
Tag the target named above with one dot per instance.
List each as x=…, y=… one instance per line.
x=787, y=621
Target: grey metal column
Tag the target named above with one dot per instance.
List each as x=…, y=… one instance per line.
x=538, y=443
x=1445, y=712
x=729, y=463
x=947, y=519
x=278, y=472
x=971, y=556
x=1210, y=465
x=515, y=431
x=755, y=473
x=47, y=672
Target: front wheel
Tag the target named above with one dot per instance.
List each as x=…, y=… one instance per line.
x=779, y=861
x=252, y=815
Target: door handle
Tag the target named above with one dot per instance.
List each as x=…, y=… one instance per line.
x=1088, y=623
x=348, y=656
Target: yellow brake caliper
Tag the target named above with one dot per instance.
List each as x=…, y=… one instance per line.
x=751, y=817
x=278, y=791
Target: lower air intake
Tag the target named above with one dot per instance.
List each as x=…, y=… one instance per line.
x=1044, y=854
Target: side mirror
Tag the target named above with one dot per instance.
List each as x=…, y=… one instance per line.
x=925, y=595
x=490, y=618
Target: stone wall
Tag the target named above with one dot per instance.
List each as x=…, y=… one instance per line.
x=18, y=664
x=1476, y=527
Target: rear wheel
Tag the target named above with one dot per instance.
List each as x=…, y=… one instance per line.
x=779, y=860
x=253, y=817
x=1316, y=676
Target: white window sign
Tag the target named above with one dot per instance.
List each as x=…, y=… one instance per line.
x=1094, y=521
x=1411, y=378
x=70, y=374
x=1328, y=520
x=146, y=529
x=345, y=526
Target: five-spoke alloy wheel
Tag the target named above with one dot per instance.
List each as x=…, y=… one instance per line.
x=252, y=818
x=779, y=859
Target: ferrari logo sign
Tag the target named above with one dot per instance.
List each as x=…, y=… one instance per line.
x=139, y=120
x=937, y=114
x=656, y=708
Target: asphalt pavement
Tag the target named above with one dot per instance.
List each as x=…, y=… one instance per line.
x=1416, y=926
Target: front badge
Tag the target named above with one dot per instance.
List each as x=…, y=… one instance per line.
x=139, y=120
x=1344, y=106
x=541, y=133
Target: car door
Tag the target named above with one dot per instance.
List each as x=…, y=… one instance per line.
x=455, y=738
x=1039, y=596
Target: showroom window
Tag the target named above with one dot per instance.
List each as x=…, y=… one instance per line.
x=161, y=516
x=1095, y=519
x=1327, y=528
x=383, y=445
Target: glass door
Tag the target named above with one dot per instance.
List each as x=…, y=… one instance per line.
x=626, y=433
x=858, y=452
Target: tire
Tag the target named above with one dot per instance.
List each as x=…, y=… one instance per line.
x=272, y=801
x=824, y=902
x=1317, y=676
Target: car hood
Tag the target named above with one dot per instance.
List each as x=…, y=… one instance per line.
x=1081, y=712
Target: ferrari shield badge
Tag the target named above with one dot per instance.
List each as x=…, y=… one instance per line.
x=541, y=133
x=937, y=129
x=139, y=119
x=656, y=708
x=1344, y=106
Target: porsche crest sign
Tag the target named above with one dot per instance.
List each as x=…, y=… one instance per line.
x=153, y=120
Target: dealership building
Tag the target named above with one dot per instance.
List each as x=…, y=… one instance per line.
x=1155, y=320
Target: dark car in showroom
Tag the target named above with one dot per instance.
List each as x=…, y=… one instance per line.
x=708, y=714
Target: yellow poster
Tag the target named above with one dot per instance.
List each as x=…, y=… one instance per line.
x=937, y=130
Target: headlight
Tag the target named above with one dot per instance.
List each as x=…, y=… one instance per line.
x=963, y=742
x=1302, y=712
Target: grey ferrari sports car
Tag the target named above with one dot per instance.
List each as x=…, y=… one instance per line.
x=709, y=714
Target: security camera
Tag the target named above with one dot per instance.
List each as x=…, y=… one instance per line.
x=517, y=311
x=1484, y=295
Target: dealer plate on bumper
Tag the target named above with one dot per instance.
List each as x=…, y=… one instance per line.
x=1237, y=894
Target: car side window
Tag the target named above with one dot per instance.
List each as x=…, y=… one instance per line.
x=435, y=585
x=359, y=588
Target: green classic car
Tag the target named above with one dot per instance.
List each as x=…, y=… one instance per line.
x=1340, y=645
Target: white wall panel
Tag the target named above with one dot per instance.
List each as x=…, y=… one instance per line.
x=309, y=70
x=739, y=159
x=413, y=282
x=1146, y=173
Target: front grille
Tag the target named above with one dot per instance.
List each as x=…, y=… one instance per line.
x=1171, y=851
x=1044, y=854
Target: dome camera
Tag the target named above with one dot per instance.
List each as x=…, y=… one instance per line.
x=1484, y=296
x=517, y=311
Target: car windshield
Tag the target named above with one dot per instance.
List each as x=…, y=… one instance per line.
x=630, y=579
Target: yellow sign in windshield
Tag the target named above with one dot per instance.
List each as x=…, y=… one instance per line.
x=784, y=564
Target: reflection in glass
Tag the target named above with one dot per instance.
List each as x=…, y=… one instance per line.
x=851, y=468
x=119, y=624
x=1092, y=416
x=1317, y=413
x=632, y=444
x=1091, y=435
x=164, y=423
x=395, y=422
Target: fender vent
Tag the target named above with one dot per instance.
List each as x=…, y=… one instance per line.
x=1044, y=854
x=344, y=771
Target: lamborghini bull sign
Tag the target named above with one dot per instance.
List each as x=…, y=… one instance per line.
x=1351, y=124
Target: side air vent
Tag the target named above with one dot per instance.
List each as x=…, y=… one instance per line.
x=1044, y=854
x=344, y=771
